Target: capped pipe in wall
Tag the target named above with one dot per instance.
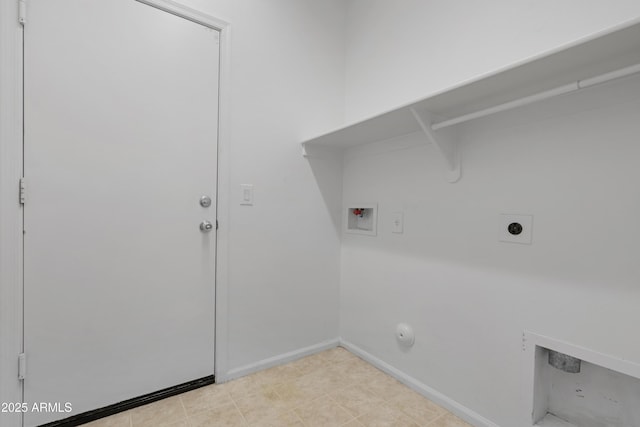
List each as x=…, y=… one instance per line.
x=405, y=335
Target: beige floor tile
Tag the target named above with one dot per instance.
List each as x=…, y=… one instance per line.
x=386, y=416
x=416, y=406
x=226, y=415
x=298, y=392
x=204, y=399
x=323, y=412
x=281, y=419
x=278, y=375
x=292, y=395
x=218, y=394
x=449, y=420
x=354, y=423
x=163, y=413
x=325, y=381
x=355, y=371
x=357, y=400
x=244, y=385
x=261, y=404
x=370, y=371
x=343, y=372
x=338, y=355
x=384, y=386
x=118, y=420
x=310, y=364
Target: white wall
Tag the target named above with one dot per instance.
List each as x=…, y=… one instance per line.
x=399, y=51
x=287, y=76
x=468, y=297
x=571, y=163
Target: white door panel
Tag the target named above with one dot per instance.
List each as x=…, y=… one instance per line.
x=121, y=107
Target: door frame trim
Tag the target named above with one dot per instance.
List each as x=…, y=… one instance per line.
x=11, y=212
x=11, y=282
x=223, y=181
x=221, y=363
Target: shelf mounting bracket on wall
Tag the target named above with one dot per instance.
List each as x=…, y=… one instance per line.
x=313, y=151
x=444, y=144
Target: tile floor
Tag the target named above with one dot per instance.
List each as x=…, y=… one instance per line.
x=332, y=388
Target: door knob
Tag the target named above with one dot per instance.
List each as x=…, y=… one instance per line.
x=205, y=201
x=206, y=226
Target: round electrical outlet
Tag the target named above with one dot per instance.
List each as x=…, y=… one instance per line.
x=515, y=228
x=405, y=335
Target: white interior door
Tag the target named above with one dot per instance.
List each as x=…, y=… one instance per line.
x=121, y=107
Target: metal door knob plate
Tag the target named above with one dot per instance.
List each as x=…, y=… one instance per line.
x=206, y=226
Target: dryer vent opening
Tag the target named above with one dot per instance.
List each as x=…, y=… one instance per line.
x=564, y=362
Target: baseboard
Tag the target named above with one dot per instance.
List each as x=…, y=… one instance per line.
x=276, y=360
x=553, y=421
x=116, y=408
x=451, y=405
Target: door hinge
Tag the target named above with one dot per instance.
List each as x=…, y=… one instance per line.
x=217, y=226
x=22, y=191
x=22, y=366
x=22, y=11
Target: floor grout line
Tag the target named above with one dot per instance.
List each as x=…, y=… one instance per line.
x=299, y=417
x=235, y=404
x=239, y=411
x=184, y=410
x=444, y=414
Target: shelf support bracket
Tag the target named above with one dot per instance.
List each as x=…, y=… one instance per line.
x=444, y=144
x=310, y=151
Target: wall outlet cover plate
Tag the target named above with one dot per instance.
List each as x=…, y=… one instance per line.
x=515, y=228
x=397, y=222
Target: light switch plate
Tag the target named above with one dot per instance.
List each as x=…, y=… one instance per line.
x=246, y=194
x=515, y=228
x=397, y=222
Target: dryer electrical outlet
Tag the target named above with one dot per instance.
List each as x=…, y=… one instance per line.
x=515, y=228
